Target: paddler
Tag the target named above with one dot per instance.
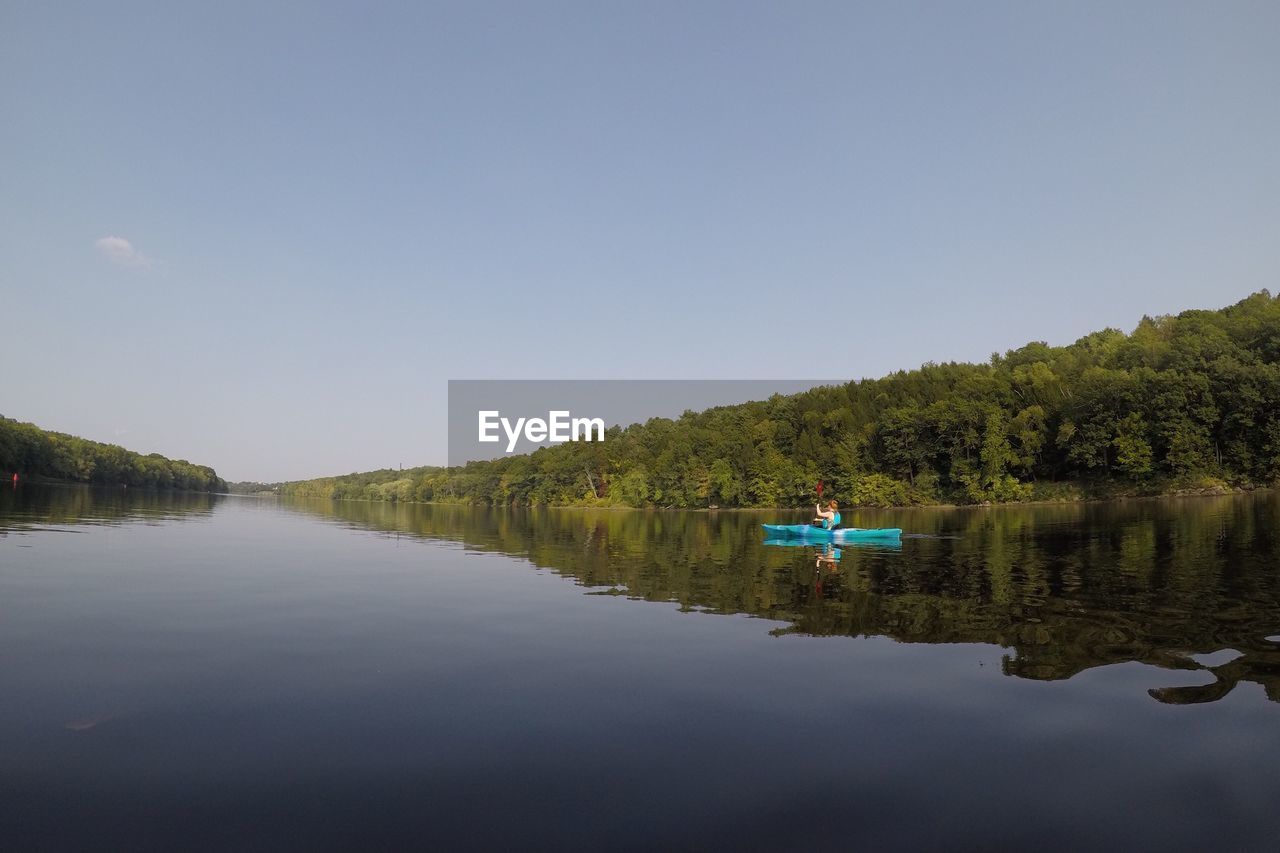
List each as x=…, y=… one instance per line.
x=829, y=518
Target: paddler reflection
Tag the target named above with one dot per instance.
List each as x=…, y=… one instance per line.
x=828, y=558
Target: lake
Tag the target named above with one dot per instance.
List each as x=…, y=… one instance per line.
x=208, y=673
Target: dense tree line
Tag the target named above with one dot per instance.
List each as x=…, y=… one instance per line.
x=31, y=452
x=1182, y=401
x=252, y=487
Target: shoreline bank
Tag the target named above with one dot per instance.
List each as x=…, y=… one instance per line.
x=1063, y=501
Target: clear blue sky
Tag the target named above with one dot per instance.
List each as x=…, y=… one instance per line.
x=322, y=212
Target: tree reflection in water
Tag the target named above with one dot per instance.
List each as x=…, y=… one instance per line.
x=1065, y=588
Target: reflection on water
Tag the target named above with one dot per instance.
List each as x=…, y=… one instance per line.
x=26, y=507
x=1065, y=587
x=185, y=671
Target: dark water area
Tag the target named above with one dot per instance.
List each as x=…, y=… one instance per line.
x=218, y=673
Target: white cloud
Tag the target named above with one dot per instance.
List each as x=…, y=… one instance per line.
x=121, y=251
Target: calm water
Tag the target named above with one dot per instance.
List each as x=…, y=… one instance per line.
x=186, y=672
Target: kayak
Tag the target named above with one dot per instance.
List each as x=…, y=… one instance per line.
x=818, y=534
x=885, y=544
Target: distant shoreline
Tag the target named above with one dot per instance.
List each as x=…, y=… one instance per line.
x=1065, y=501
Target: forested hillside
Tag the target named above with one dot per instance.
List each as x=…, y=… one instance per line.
x=31, y=452
x=1182, y=401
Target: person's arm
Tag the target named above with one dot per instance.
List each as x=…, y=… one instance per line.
x=822, y=513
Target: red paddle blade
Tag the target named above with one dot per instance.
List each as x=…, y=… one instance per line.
x=819, y=488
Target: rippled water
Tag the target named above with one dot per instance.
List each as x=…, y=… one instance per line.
x=192, y=672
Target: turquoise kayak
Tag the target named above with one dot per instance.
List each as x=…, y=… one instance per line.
x=889, y=543
x=818, y=534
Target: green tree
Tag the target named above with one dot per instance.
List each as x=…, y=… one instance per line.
x=1133, y=450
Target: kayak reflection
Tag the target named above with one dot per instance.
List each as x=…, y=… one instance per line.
x=830, y=552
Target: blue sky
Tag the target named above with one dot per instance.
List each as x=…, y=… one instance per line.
x=264, y=236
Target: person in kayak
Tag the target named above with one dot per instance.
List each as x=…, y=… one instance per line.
x=829, y=518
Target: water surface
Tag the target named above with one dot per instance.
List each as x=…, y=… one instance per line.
x=229, y=673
